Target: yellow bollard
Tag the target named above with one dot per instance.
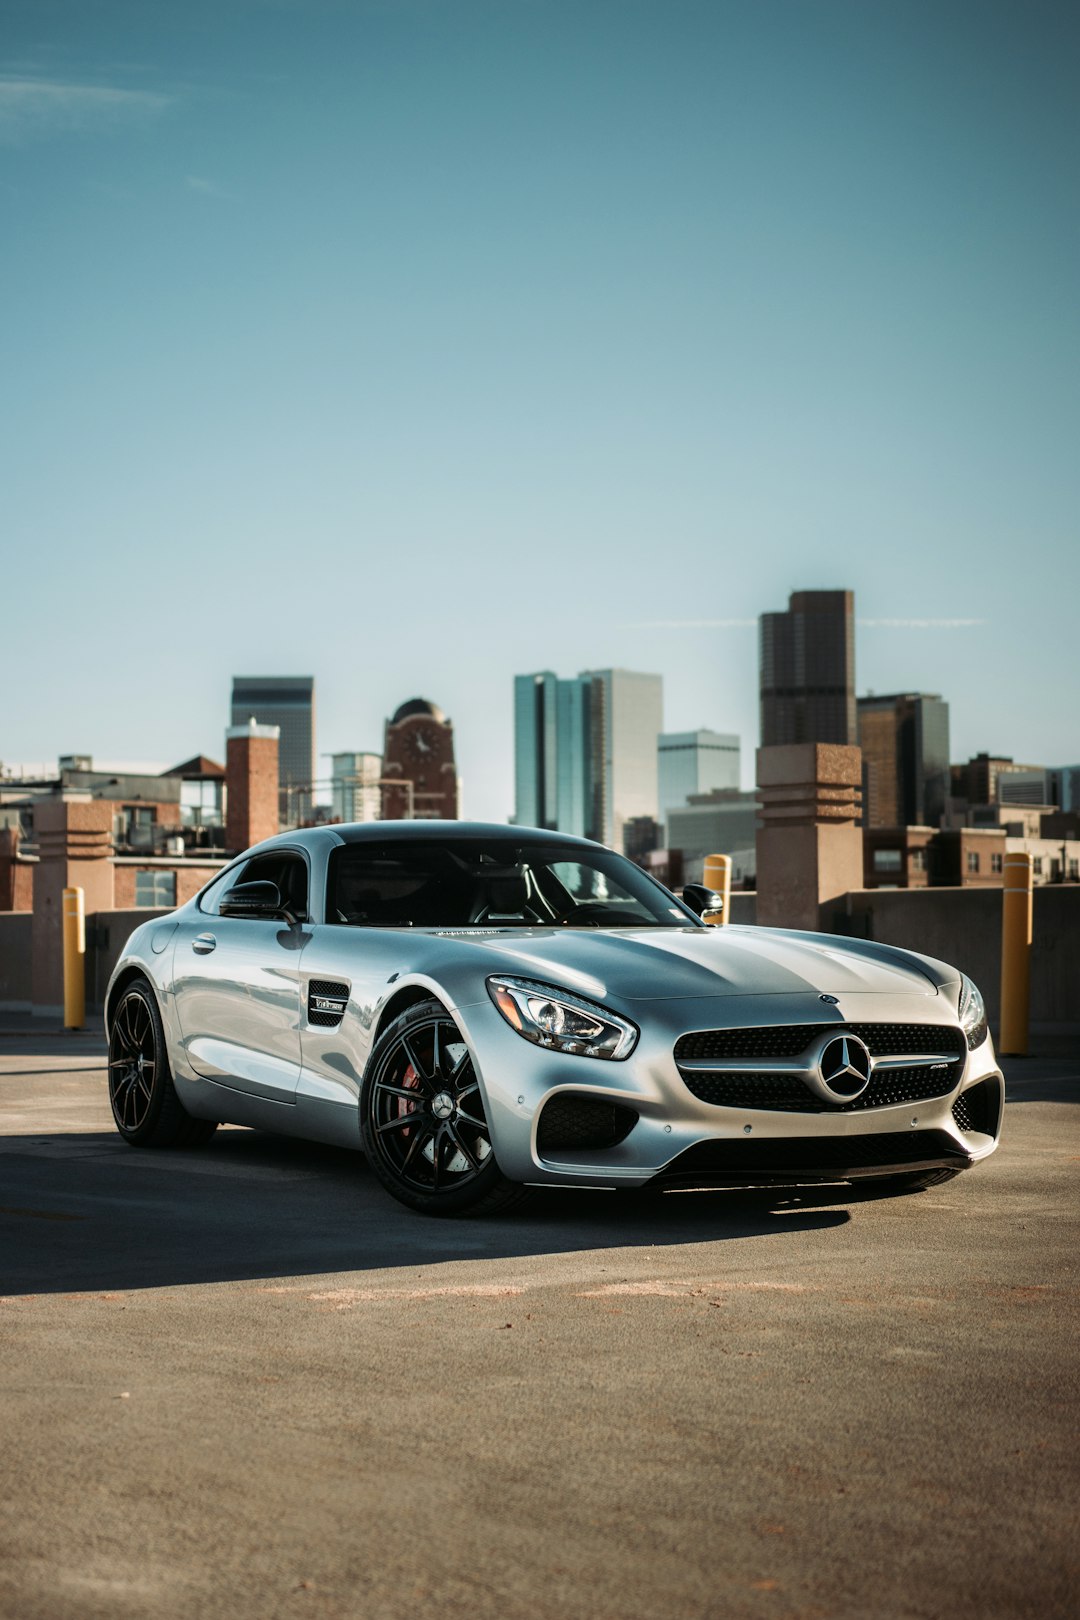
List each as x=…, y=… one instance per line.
x=1016, y=913
x=717, y=875
x=74, y=959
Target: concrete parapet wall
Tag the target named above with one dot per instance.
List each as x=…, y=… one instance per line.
x=959, y=926
x=963, y=927
x=15, y=971
x=107, y=932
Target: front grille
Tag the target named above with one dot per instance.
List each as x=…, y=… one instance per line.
x=327, y=1000
x=810, y=1158
x=786, y=1093
x=572, y=1122
x=792, y=1040
x=979, y=1108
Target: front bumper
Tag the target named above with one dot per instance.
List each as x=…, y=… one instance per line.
x=680, y=1139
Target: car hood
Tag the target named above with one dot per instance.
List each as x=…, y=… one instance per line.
x=663, y=963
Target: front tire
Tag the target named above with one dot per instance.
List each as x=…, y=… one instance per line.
x=145, y=1106
x=422, y=1119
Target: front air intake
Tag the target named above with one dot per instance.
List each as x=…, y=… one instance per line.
x=979, y=1108
x=573, y=1122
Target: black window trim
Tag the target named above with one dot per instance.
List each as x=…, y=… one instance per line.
x=238, y=866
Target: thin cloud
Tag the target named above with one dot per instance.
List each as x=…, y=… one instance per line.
x=35, y=108
x=919, y=624
x=750, y=624
x=203, y=187
x=693, y=624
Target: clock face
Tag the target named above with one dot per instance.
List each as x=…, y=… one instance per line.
x=422, y=744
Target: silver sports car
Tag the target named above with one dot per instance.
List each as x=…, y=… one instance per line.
x=486, y=1008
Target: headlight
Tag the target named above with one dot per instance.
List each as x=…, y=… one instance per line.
x=972, y=1013
x=562, y=1021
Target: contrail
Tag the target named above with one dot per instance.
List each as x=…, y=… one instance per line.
x=749, y=624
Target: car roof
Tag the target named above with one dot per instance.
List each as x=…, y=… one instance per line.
x=491, y=832
x=381, y=832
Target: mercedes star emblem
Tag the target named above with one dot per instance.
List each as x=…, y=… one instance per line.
x=843, y=1069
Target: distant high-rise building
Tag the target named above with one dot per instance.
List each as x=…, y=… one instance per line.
x=585, y=751
x=978, y=782
x=904, y=739
x=626, y=718
x=553, y=784
x=691, y=762
x=288, y=702
x=808, y=670
x=1064, y=787
x=722, y=822
x=355, y=794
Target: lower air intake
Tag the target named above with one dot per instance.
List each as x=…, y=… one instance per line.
x=571, y=1122
x=811, y=1158
x=979, y=1108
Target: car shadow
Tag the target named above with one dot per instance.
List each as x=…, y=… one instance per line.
x=1041, y=1079
x=84, y=1212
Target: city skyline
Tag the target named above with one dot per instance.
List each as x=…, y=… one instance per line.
x=126, y=759
x=451, y=342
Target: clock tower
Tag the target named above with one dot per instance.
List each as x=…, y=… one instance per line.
x=419, y=753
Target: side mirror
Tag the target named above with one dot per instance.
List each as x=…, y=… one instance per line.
x=261, y=899
x=705, y=903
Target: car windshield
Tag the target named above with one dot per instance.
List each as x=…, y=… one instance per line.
x=460, y=883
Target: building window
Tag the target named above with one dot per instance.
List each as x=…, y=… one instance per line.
x=1036, y=866
x=1074, y=870
x=973, y=860
x=997, y=863
x=200, y=804
x=918, y=860
x=135, y=827
x=886, y=860
x=155, y=888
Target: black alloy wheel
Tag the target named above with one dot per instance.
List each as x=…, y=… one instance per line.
x=422, y=1119
x=145, y=1106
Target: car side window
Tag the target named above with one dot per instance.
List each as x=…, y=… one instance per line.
x=288, y=870
x=284, y=867
x=212, y=896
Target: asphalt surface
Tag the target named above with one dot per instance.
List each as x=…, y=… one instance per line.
x=242, y=1382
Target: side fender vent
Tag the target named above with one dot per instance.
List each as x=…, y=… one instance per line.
x=326, y=1002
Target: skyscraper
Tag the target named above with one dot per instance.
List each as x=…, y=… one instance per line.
x=552, y=753
x=808, y=670
x=585, y=751
x=694, y=762
x=288, y=702
x=904, y=737
x=626, y=718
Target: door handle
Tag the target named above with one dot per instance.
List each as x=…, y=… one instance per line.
x=203, y=944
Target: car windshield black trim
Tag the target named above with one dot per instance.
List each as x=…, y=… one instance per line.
x=493, y=884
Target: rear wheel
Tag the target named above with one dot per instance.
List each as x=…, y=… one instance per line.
x=145, y=1106
x=422, y=1119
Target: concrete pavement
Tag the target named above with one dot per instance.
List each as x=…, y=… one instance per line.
x=243, y=1382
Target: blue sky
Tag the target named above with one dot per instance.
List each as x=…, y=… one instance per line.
x=412, y=344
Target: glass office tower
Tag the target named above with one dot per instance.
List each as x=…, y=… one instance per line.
x=694, y=762
x=904, y=737
x=807, y=670
x=585, y=751
x=286, y=701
